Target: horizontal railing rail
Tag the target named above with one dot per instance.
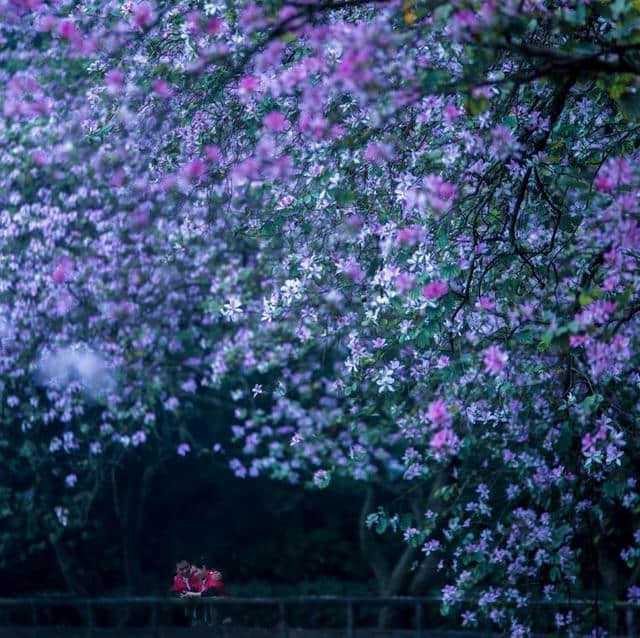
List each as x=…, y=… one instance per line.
x=88, y=607
x=65, y=600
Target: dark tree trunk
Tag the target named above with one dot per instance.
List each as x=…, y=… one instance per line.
x=370, y=549
x=68, y=567
x=131, y=511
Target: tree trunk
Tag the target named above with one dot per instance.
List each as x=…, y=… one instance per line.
x=391, y=580
x=139, y=481
x=396, y=583
x=370, y=550
x=129, y=531
x=67, y=568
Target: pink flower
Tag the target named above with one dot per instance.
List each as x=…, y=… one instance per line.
x=577, y=340
x=410, y=235
x=162, y=88
x=443, y=440
x=183, y=449
x=440, y=194
x=214, y=26
x=46, y=23
x=494, y=360
x=68, y=30
x=192, y=21
x=275, y=121
x=486, y=303
x=604, y=184
x=194, y=169
x=248, y=84
x=435, y=290
x=464, y=24
x=404, y=282
x=451, y=112
x=143, y=15
x=62, y=271
x=588, y=443
x=611, y=282
x=114, y=80
x=40, y=157
x=213, y=153
x=615, y=172
x=438, y=413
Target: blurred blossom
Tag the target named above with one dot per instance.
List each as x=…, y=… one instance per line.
x=79, y=364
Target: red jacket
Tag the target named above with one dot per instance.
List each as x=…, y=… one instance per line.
x=180, y=583
x=195, y=581
x=210, y=582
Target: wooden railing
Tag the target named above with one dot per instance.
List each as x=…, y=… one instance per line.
x=88, y=606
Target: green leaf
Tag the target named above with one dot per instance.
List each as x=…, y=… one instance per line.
x=344, y=196
x=584, y=299
x=629, y=106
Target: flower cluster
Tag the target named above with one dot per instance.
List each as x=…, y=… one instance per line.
x=398, y=241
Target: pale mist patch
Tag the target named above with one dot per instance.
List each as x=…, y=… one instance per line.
x=6, y=331
x=76, y=364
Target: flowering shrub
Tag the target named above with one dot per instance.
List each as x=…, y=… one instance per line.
x=402, y=237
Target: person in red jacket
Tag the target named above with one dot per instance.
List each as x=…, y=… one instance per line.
x=196, y=581
x=180, y=584
x=213, y=585
x=204, y=582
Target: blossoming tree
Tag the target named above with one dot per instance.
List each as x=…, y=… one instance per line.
x=401, y=236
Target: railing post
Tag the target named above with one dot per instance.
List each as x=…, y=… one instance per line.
x=351, y=619
x=419, y=618
x=89, y=620
x=34, y=619
x=284, y=629
x=630, y=622
x=213, y=616
x=154, y=621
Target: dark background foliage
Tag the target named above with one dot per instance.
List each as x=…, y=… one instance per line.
x=260, y=533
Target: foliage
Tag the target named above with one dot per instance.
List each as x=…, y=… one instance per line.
x=401, y=237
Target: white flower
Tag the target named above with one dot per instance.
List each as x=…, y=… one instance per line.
x=385, y=381
x=291, y=291
x=55, y=444
x=62, y=514
x=256, y=390
x=232, y=310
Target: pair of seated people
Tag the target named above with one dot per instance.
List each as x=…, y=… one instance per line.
x=190, y=581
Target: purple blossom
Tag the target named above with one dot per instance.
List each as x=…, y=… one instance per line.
x=183, y=449
x=435, y=290
x=495, y=360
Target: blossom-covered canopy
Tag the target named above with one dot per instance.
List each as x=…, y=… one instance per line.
x=401, y=237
